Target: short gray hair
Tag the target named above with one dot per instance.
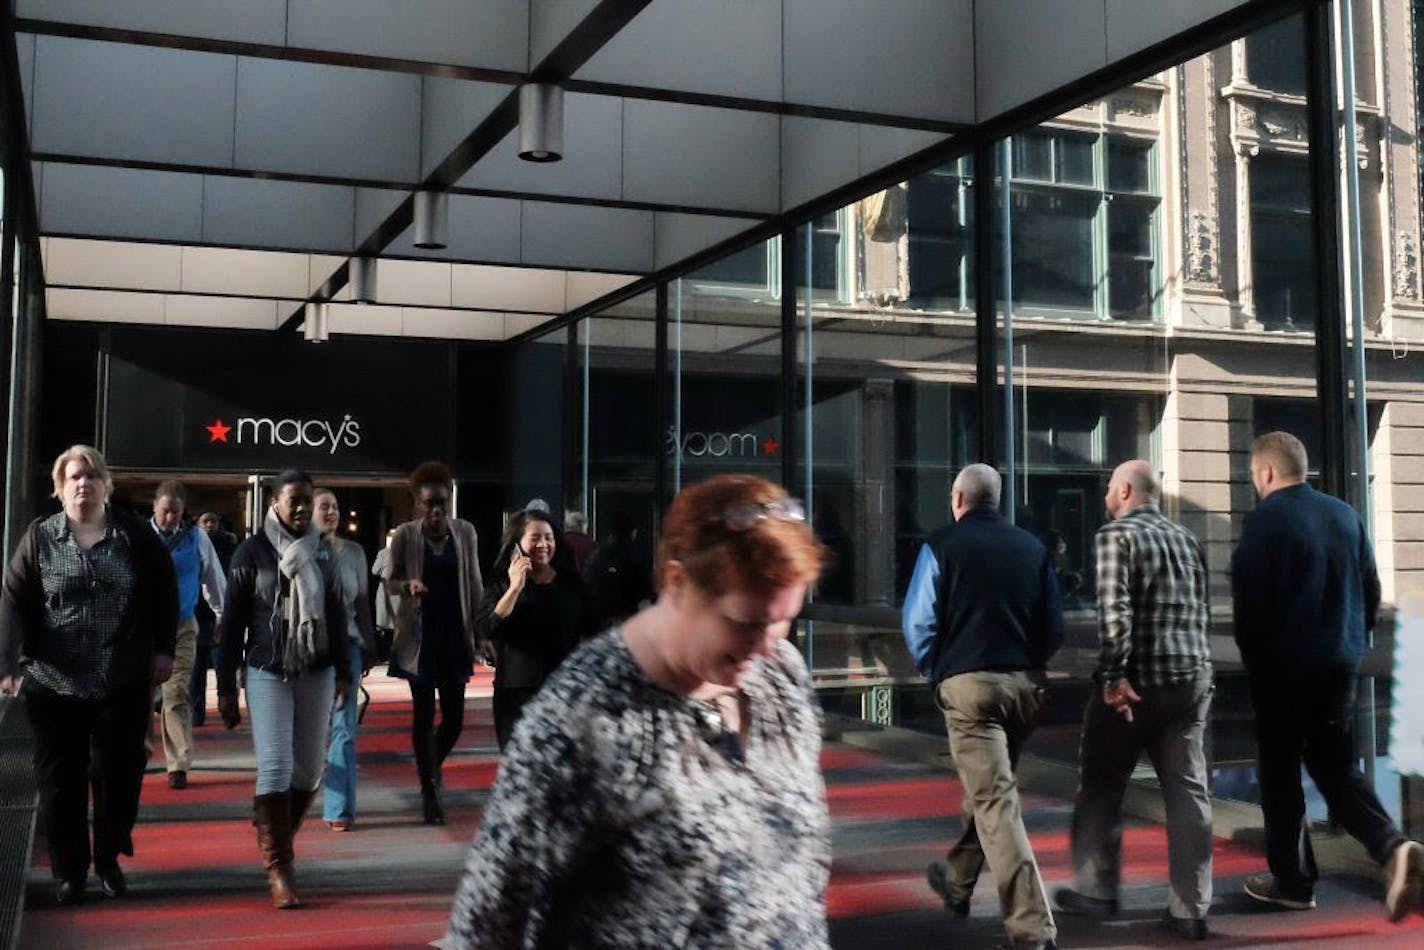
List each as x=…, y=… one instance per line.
x=576, y=521
x=979, y=485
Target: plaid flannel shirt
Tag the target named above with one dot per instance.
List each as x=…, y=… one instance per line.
x=1152, y=601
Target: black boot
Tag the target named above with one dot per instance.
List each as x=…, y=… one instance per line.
x=431, y=810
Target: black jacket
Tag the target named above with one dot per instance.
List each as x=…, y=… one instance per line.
x=150, y=628
x=246, y=627
x=547, y=622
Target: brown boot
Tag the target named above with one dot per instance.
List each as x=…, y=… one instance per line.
x=272, y=814
x=301, y=801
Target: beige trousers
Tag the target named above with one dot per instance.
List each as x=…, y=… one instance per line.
x=989, y=716
x=176, y=720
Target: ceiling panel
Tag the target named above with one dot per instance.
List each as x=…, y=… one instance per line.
x=602, y=238
x=1134, y=25
x=121, y=202
x=700, y=156
x=254, y=211
x=892, y=57
x=133, y=103
x=493, y=34
x=1068, y=38
x=424, y=283
x=725, y=49
x=679, y=236
x=593, y=156
x=114, y=264
x=508, y=288
x=586, y=288
x=550, y=21
x=480, y=229
x=230, y=312
x=328, y=120
x=246, y=21
x=103, y=306
x=450, y=109
x=217, y=270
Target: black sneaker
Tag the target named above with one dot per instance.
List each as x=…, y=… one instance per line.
x=1192, y=928
x=1074, y=902
x=938, y=876
x=69, y=893
x=1266, y=889
x=178, y=779
x=111, y=879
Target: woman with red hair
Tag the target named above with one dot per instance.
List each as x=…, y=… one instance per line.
x=663, y=788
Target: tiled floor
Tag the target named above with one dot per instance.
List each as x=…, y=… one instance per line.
x=195, y=880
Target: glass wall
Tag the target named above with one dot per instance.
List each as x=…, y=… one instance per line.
x=1155, y=295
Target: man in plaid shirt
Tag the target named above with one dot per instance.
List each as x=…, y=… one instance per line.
x=1154, y=674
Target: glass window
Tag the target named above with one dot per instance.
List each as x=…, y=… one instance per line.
x=1274, y=57
x=940, y=226
x=1282, y=261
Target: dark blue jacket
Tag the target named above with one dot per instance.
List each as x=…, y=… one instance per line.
x=984, y=596
x=1303, y=581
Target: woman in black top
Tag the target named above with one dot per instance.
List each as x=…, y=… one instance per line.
x=536, y=611
x=435, y=569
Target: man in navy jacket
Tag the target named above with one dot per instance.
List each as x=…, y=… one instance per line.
x=982, y=617
x=1306, y=595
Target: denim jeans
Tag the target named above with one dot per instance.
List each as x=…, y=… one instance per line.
x=289, y=719
x=339, y=799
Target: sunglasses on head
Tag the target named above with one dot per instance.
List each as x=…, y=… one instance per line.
x=746, y=516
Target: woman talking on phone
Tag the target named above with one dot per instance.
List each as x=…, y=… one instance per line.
x=536, y=610
x=436, y=570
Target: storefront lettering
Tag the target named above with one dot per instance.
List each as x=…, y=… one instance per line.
x=308, y=433
x=711, y=444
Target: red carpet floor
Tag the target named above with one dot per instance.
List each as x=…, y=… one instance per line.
x=195, y=880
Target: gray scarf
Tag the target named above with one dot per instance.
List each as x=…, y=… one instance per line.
x=302, y=607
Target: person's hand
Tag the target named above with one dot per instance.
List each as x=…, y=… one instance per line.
x=227, y=709
x=162, y=668
x=519, y=566
x=1119, y=697
x=415, y=587
x=9, y=685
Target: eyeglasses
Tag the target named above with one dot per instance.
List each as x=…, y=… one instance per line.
x=747, y=516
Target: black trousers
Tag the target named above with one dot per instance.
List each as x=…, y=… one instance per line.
x=431, y=743
x=1305, y=717
x=508, y=703
x=83, y=745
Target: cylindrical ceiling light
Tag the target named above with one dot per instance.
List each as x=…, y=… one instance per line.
x=314, y=328
x=432, y=216
x=541, y=122
x=362, y=279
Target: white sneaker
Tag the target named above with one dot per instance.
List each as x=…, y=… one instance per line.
x=1404, y=877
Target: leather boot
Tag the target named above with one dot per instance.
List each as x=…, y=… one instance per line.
x=301, y=801
x=430, y=808
x=272, y=814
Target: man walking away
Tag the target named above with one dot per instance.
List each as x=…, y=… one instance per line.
x=982, y=618
x=1306, y=596
x=197, y=566
x=1154, y=679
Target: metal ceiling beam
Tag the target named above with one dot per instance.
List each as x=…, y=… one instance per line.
x=577, y=47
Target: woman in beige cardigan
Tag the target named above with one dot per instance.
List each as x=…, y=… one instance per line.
x=435, y=567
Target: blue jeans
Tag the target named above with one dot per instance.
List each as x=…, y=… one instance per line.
x=339, y=799
x=289, y=720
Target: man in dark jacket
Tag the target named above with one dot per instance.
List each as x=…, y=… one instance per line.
x=1306, y=596
x=982, y=617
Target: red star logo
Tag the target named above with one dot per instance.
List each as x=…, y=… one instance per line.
x=769, y=446
x=217, y=432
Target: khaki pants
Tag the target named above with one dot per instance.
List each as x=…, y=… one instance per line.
x=176, y=721
x=989, y=717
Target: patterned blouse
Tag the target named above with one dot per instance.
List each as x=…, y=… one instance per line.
x=625, y=816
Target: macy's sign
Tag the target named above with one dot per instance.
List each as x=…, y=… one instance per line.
x=308, y=433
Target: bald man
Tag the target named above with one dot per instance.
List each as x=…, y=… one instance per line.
x=982, y=619
x=1154, y=694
